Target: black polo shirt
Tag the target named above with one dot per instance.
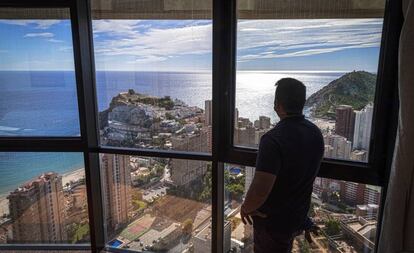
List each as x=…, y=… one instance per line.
x=292, y=151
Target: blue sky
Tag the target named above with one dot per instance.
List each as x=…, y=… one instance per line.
x=177, y=45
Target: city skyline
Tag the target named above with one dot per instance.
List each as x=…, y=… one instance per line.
x=137, y=192
x=134, y=187
x=139, y=45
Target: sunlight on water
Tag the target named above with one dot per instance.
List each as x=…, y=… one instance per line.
x=255, y=90
x=254, y=97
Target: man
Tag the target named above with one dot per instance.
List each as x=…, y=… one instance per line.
x=288, y=161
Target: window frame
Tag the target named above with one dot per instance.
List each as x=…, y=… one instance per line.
x=384, y=116
x=224, y=19
x=88, y=132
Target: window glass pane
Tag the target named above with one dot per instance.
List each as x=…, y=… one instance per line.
x=43, y=198
x=153, y=74
x=156, y=204
x=37, y=77
x=346, y=212
x=334, y=53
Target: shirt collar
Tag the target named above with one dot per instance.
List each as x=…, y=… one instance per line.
x=294, y=116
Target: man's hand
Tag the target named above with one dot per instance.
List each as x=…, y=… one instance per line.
x=247, y=217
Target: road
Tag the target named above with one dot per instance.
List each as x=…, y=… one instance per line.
x=158, y=189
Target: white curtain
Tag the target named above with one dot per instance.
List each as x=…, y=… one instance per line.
x=398, y=221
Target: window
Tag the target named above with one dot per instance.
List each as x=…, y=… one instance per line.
x=37, y=75
x=43, y=198
x=153, y=75
x=157, y=204
x=129, y=117
x=336, y=58
x=346, y=212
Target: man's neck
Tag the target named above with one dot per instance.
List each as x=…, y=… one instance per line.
x=286, y=116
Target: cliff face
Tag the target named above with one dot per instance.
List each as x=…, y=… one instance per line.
x=130, y=107
x=133, y=98
x=356, y=89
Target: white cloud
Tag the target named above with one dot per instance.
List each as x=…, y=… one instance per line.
x=150, y=58
x=116, y=27
x=39, y=24
x=265, y=39
x=39, y=35
x=153, y=43
x=257, y=39
x=65, y=49
x=55, y=41
x=306, y=52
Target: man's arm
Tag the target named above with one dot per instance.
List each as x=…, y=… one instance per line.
x=259, y=191
x=268, y=164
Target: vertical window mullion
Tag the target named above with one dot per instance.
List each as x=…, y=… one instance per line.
x=385, y=120
x=84, y=65
x=218, y=207
x=95, y=205
x=224, y=46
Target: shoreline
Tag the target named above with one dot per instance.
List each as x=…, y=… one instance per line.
x=74, y=175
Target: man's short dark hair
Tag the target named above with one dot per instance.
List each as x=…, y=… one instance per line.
x=291, y=94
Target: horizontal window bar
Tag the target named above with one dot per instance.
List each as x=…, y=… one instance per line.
x=248, y=157
x=155, y=153
x=67, y=144
x=35, y=4
x=330, y=168
x=350, y=171
x=60, y=247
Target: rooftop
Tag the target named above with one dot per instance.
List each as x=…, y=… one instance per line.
x=30, y=184
x=368, y=207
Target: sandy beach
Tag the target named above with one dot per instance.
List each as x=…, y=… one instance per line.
x=4, y=204
x=73, y=176
x=66, y=178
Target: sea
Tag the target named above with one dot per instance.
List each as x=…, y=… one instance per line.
x=44, y=103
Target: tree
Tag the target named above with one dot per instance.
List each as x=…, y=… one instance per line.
x=234, y=222
x=332, y=226
x=236, y=191
x=138, y=205
x=166, y=102
x=82, y=180
x=335, y=197
x=304, y=246
x=188, y=226
x=169, y=116
x=78, y=232
x=206, y=191
x=158, y=169
x=234, y=185
x=311, y=212
x=182, y=121
x=137, y=195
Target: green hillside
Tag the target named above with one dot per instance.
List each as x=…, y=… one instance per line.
x=356, y=89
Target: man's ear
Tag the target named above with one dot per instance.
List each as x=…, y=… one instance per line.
x=279, y=108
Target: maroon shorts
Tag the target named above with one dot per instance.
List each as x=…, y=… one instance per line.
x=266, y=241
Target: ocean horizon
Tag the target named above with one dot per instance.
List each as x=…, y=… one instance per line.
x=41, y=103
